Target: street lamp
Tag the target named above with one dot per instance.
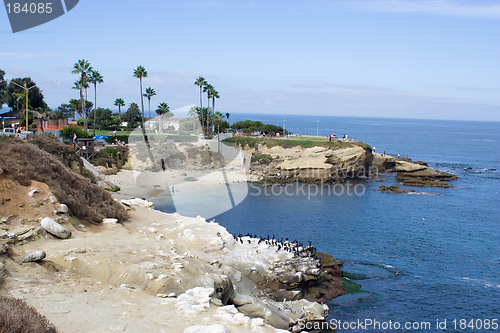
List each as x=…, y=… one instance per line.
x=317, y=129
x=27, y=89
x=284, y=123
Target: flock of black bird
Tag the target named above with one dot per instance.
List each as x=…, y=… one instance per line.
x=287, y=245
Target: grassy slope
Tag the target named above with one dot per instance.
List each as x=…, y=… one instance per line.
x=302, y=141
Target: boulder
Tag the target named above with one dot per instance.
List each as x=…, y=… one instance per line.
x=426, y=174
x=394, y=189
x=63, y=209
x=34, y=257
x=403, y=166
x=32, y=192
x=55, y=228
x=137, y=202
x=425, y=183
x=224, y=289
x=269, y=312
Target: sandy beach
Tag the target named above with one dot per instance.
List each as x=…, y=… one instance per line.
x=146, y=184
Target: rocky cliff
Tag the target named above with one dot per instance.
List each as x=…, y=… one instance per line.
x=319, y=164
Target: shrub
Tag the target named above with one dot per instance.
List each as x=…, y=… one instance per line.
x=64, y=153
x=111, y=151
x=16, y=316
x=120, y=136
x=25, y=162
x=110, y=156
x=256, y=158
x=71, y=130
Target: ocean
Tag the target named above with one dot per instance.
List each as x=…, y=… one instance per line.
x=422, y=258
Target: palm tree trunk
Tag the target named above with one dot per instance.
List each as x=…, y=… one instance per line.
x=213, y=107
x=95, y=104
x=82, y=100
x=201, y=108
x=142, y=107
x=201, y=104
x=208, y=114
x=149, y=101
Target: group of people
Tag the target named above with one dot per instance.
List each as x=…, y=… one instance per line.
x=333, y=137
x=18, y=129
x=119, y=143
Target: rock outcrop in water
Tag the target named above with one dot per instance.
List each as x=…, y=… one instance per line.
x=320, y=165
x=317, y=164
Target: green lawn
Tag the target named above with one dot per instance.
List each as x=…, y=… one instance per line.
x=309, y=138
x=306, y=142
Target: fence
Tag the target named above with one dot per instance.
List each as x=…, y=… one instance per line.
x=98, y=173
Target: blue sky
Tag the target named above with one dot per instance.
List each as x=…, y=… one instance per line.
x=431, y=59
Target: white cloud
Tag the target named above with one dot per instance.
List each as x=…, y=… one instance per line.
x=433, y=7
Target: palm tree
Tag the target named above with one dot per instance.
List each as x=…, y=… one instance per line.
x=140, y=72
x=95, y=77
x=193, y=112
x=163, y=112
x=77, y=86
x=162, y=109
x=150, y=92
x=43, y=116
x=215, y=94
x=208, y=88
x=119, y=103
x=200, y=82
x=83, y=68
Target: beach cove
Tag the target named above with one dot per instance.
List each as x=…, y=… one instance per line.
x=163, y=272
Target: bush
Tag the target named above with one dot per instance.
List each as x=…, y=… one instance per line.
x=64, y=153
x=25, y=162
x=120, y=136
x=16, y=316
x=110, y=151
x=256, y=158
x=111, y=156
x=71, y=130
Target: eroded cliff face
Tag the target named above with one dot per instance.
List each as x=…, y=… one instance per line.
x=186, y=156
x=350, y=163
x=310, y=166
x=318, y=164
x=315, y=164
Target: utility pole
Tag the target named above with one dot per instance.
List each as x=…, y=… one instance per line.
x=25, y=87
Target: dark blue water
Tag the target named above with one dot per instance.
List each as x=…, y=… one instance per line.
x=428, y=257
